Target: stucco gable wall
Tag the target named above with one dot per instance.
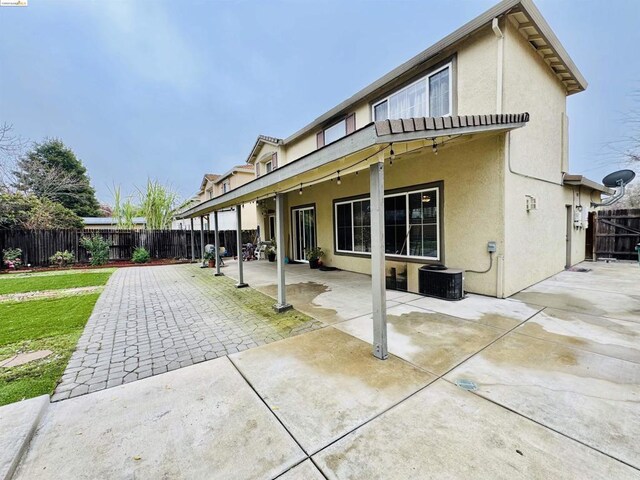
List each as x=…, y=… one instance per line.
x=476, y=61
x=474, y=87
x=535, y=240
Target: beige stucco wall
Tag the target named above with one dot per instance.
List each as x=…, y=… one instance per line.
x=476, y=74
x=484, y=199
x=535, y=241
x=472, y=199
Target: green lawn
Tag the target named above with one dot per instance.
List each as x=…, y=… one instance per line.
x=49, y=324
x=36, y=282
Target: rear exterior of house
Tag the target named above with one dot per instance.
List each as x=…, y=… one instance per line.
x=212, y=186
x=477, y=153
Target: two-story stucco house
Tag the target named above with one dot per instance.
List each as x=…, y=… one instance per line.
x=213, y=185
x=458, y=156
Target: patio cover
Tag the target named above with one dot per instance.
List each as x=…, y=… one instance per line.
x=357, y=148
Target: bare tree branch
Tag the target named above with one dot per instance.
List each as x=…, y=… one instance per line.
x=46, y=181
x=11, y=147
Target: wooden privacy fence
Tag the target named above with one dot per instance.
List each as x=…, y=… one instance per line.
x=39, y=245
x=617, y=232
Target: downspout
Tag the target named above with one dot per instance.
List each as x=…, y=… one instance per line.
x=500, y=68
x=500, y=280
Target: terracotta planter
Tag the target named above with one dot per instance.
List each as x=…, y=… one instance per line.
x=212, y=263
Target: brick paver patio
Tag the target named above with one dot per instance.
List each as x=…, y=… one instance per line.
x=150, y=320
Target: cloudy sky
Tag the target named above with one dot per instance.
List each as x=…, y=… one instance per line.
x=174, y=89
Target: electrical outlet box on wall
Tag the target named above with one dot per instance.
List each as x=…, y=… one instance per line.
x=531, y=202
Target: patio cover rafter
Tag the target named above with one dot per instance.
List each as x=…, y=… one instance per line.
x=359, y=146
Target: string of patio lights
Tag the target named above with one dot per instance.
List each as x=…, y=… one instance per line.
x=336, y=174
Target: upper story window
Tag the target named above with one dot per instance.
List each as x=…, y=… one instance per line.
x=428, y=97
x=225, y=187
x=336, y=131
x=267, y=163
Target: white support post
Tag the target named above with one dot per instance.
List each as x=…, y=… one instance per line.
x=282, y=304
x=218, y=262
x=240, y=283
x=378, y=287
x=202, y=239
x=193, y=244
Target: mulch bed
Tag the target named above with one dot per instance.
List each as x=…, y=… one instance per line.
x=113, y=264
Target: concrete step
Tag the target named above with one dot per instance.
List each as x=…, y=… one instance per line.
x=18, y=423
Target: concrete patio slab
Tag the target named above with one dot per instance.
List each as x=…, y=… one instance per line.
x=203, y=421
x=490, y=311
x=445, y=432
x=619, y=277
x=324, y=384
x=331, y=297
x=615, y=338
x=432, y=341
x=583, y=300
x=18, y=422
x=305, y=471
x=587, y=396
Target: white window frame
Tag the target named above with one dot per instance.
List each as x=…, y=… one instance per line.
x=398, y=194
x=268, y=167
x=324, y=131
x=423, y=79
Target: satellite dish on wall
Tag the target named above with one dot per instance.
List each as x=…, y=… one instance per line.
x=618, y=180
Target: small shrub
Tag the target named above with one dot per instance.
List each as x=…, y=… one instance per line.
x=98, y=249
x=140, y=255
x=12, y=258
x=62, y=259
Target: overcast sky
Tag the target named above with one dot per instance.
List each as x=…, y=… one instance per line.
x=174, y=89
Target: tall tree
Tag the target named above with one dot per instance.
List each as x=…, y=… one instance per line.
x=19, y=211
x=50, y=170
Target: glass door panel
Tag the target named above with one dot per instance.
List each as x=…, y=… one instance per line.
x=304, y=234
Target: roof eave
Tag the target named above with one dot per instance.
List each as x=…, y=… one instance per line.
x=581, y=181
x=445, y=43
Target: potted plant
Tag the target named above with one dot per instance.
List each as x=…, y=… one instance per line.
x=62, y=259
x=314, y=255
x=271, y=251
x=211, y=258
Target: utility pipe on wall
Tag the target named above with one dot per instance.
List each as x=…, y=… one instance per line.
x=499, y=69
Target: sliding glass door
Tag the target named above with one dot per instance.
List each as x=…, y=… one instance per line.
x=304, y=232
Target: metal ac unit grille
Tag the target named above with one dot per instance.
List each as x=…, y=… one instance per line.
x=446, y=284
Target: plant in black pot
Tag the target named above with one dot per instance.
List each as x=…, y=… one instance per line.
x=314, y=255
x=271, y=251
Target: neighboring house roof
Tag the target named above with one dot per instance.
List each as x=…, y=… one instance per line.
x=374, y=138
x=580, y=180
x=529, y=22
x=208, y=177
x=243, y=168
x=110, y=220
x=260, y=141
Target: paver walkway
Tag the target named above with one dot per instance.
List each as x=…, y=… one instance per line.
x=150, y=320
